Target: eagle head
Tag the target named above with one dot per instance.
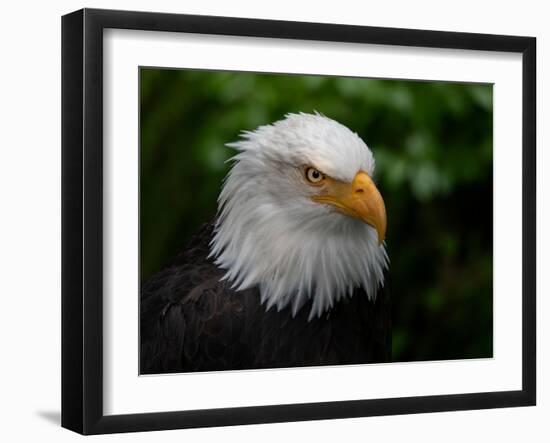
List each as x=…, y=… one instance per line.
x=299, y=215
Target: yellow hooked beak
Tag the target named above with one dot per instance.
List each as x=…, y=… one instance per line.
x=359, y=199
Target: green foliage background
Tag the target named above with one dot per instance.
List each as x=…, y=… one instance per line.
x=433, y=147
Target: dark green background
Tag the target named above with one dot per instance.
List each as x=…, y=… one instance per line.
x=433, y=147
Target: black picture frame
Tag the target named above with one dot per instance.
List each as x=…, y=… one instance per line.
x=82, y=220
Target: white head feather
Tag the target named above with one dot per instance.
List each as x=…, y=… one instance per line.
x=270, y=234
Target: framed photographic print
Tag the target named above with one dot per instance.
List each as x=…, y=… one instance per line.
x=269, y=221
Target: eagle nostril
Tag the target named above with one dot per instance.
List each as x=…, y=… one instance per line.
x=359, y=191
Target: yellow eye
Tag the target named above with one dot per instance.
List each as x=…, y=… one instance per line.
x=314, y=176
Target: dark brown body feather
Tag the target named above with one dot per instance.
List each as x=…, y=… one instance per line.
x=192, y=321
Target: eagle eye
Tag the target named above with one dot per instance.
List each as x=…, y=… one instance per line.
x=313, y=175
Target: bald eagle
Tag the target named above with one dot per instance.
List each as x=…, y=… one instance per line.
x=292, y=271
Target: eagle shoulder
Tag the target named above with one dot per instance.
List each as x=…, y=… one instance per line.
x=190, y=319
